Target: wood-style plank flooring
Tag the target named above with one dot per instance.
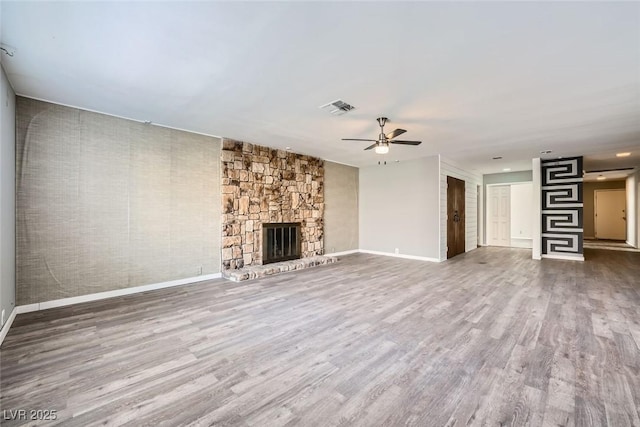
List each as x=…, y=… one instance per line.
x=488, y=338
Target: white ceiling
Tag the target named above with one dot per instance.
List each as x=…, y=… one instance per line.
x=612, y=175
x=471, y=80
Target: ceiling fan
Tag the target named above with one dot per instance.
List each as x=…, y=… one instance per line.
x=382, y=143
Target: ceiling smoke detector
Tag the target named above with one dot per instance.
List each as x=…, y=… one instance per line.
x=338, y=107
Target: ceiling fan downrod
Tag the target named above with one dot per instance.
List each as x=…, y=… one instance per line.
x=382, y=121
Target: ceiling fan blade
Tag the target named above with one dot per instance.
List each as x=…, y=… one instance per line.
x=395, y=133
x=357, y=139
x=402, y=142
x=371, y=146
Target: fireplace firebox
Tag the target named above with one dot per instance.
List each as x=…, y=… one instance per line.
x=280, y=241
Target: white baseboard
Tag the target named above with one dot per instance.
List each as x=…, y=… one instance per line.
x=522, y=242
x=28, y=308
x=5, y=328
x=414, y=257
x=565, y=257
x=349, y=252
x=111, y=294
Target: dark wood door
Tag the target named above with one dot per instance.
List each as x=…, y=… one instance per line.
x=455, y=217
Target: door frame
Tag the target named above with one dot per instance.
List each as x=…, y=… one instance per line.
x=595, y=211
x=480, y=215
x=464, y=215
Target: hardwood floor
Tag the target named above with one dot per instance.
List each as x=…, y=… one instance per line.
x=487, y=338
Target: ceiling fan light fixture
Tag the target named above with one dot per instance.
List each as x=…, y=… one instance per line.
x=381, y=149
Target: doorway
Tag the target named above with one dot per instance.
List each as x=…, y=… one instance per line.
x=455, y=217
x=610, y=219
x=509, y=215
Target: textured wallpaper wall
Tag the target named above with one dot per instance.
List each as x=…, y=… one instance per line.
x=105, y=203
x=340, y=207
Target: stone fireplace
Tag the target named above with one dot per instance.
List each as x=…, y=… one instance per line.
x=266, y=186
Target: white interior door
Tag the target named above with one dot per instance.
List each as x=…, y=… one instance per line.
x=499, y=214
x=610, y=214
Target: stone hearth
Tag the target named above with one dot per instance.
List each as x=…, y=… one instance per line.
x=262, y=185
x=257, y=271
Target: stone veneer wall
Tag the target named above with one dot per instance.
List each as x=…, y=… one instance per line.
x=262, y=185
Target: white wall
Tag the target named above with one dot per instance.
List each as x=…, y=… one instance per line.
x=399, y=208
x=521, y=215
x=472, y=181
x=7, y=197
x=536, y=212
x=633, y=208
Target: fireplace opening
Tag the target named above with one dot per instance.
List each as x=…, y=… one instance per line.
x=280, y=241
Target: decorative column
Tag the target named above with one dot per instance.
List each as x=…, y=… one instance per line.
x=562, y=217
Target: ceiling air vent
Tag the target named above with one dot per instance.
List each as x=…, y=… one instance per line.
x=338, y=107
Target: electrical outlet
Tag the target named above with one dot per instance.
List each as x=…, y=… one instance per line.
x=200, y=271
x=397, y=250
x=2, y=322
